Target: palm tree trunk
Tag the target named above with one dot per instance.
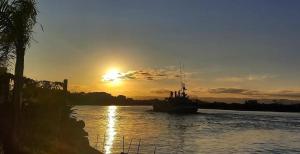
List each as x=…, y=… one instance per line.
x=17, y=94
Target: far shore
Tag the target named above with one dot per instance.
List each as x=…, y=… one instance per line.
x=219, y=106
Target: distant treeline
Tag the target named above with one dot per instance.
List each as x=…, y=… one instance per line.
x=103, y=98
x=35, y=91
x=250, y=105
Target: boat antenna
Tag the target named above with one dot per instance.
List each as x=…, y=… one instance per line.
x=182, y=76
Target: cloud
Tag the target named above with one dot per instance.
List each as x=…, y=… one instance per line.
x=233, y=91
x=128, y=75
x=246, y=78
x=151, y=74
x=256, y=93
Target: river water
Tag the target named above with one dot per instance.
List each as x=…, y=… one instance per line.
x=209, y=131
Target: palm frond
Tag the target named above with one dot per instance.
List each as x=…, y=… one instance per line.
x=17, y=19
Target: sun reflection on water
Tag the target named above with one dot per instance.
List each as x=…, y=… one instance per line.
x=110, y=130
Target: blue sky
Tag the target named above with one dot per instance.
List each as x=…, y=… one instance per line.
x=222, y=43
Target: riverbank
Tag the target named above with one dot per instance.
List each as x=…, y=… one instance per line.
x=46, y=130
x=49, y=129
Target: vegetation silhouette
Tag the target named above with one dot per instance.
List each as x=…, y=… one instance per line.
x=103, y=98
x=18, y=18
x=32, y=114
x=46, y=123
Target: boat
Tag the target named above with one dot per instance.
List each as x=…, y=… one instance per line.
x=177, y=102
x=176, y=105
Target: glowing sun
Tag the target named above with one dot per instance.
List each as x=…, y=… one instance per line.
x=112, y=76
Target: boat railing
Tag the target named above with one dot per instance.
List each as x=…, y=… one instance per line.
x=124, y=146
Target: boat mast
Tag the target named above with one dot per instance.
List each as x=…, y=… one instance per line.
x=183, y=89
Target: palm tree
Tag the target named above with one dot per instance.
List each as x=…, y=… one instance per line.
x=17, y=19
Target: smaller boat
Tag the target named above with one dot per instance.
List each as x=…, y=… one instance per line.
x=177, y=102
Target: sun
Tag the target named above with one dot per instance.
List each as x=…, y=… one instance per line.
x=113, y=76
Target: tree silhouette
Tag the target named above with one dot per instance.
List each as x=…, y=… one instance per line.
x=17, y=19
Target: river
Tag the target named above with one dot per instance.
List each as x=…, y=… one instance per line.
x=209, y=131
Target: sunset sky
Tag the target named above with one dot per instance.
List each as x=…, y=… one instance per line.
x=231, y=48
